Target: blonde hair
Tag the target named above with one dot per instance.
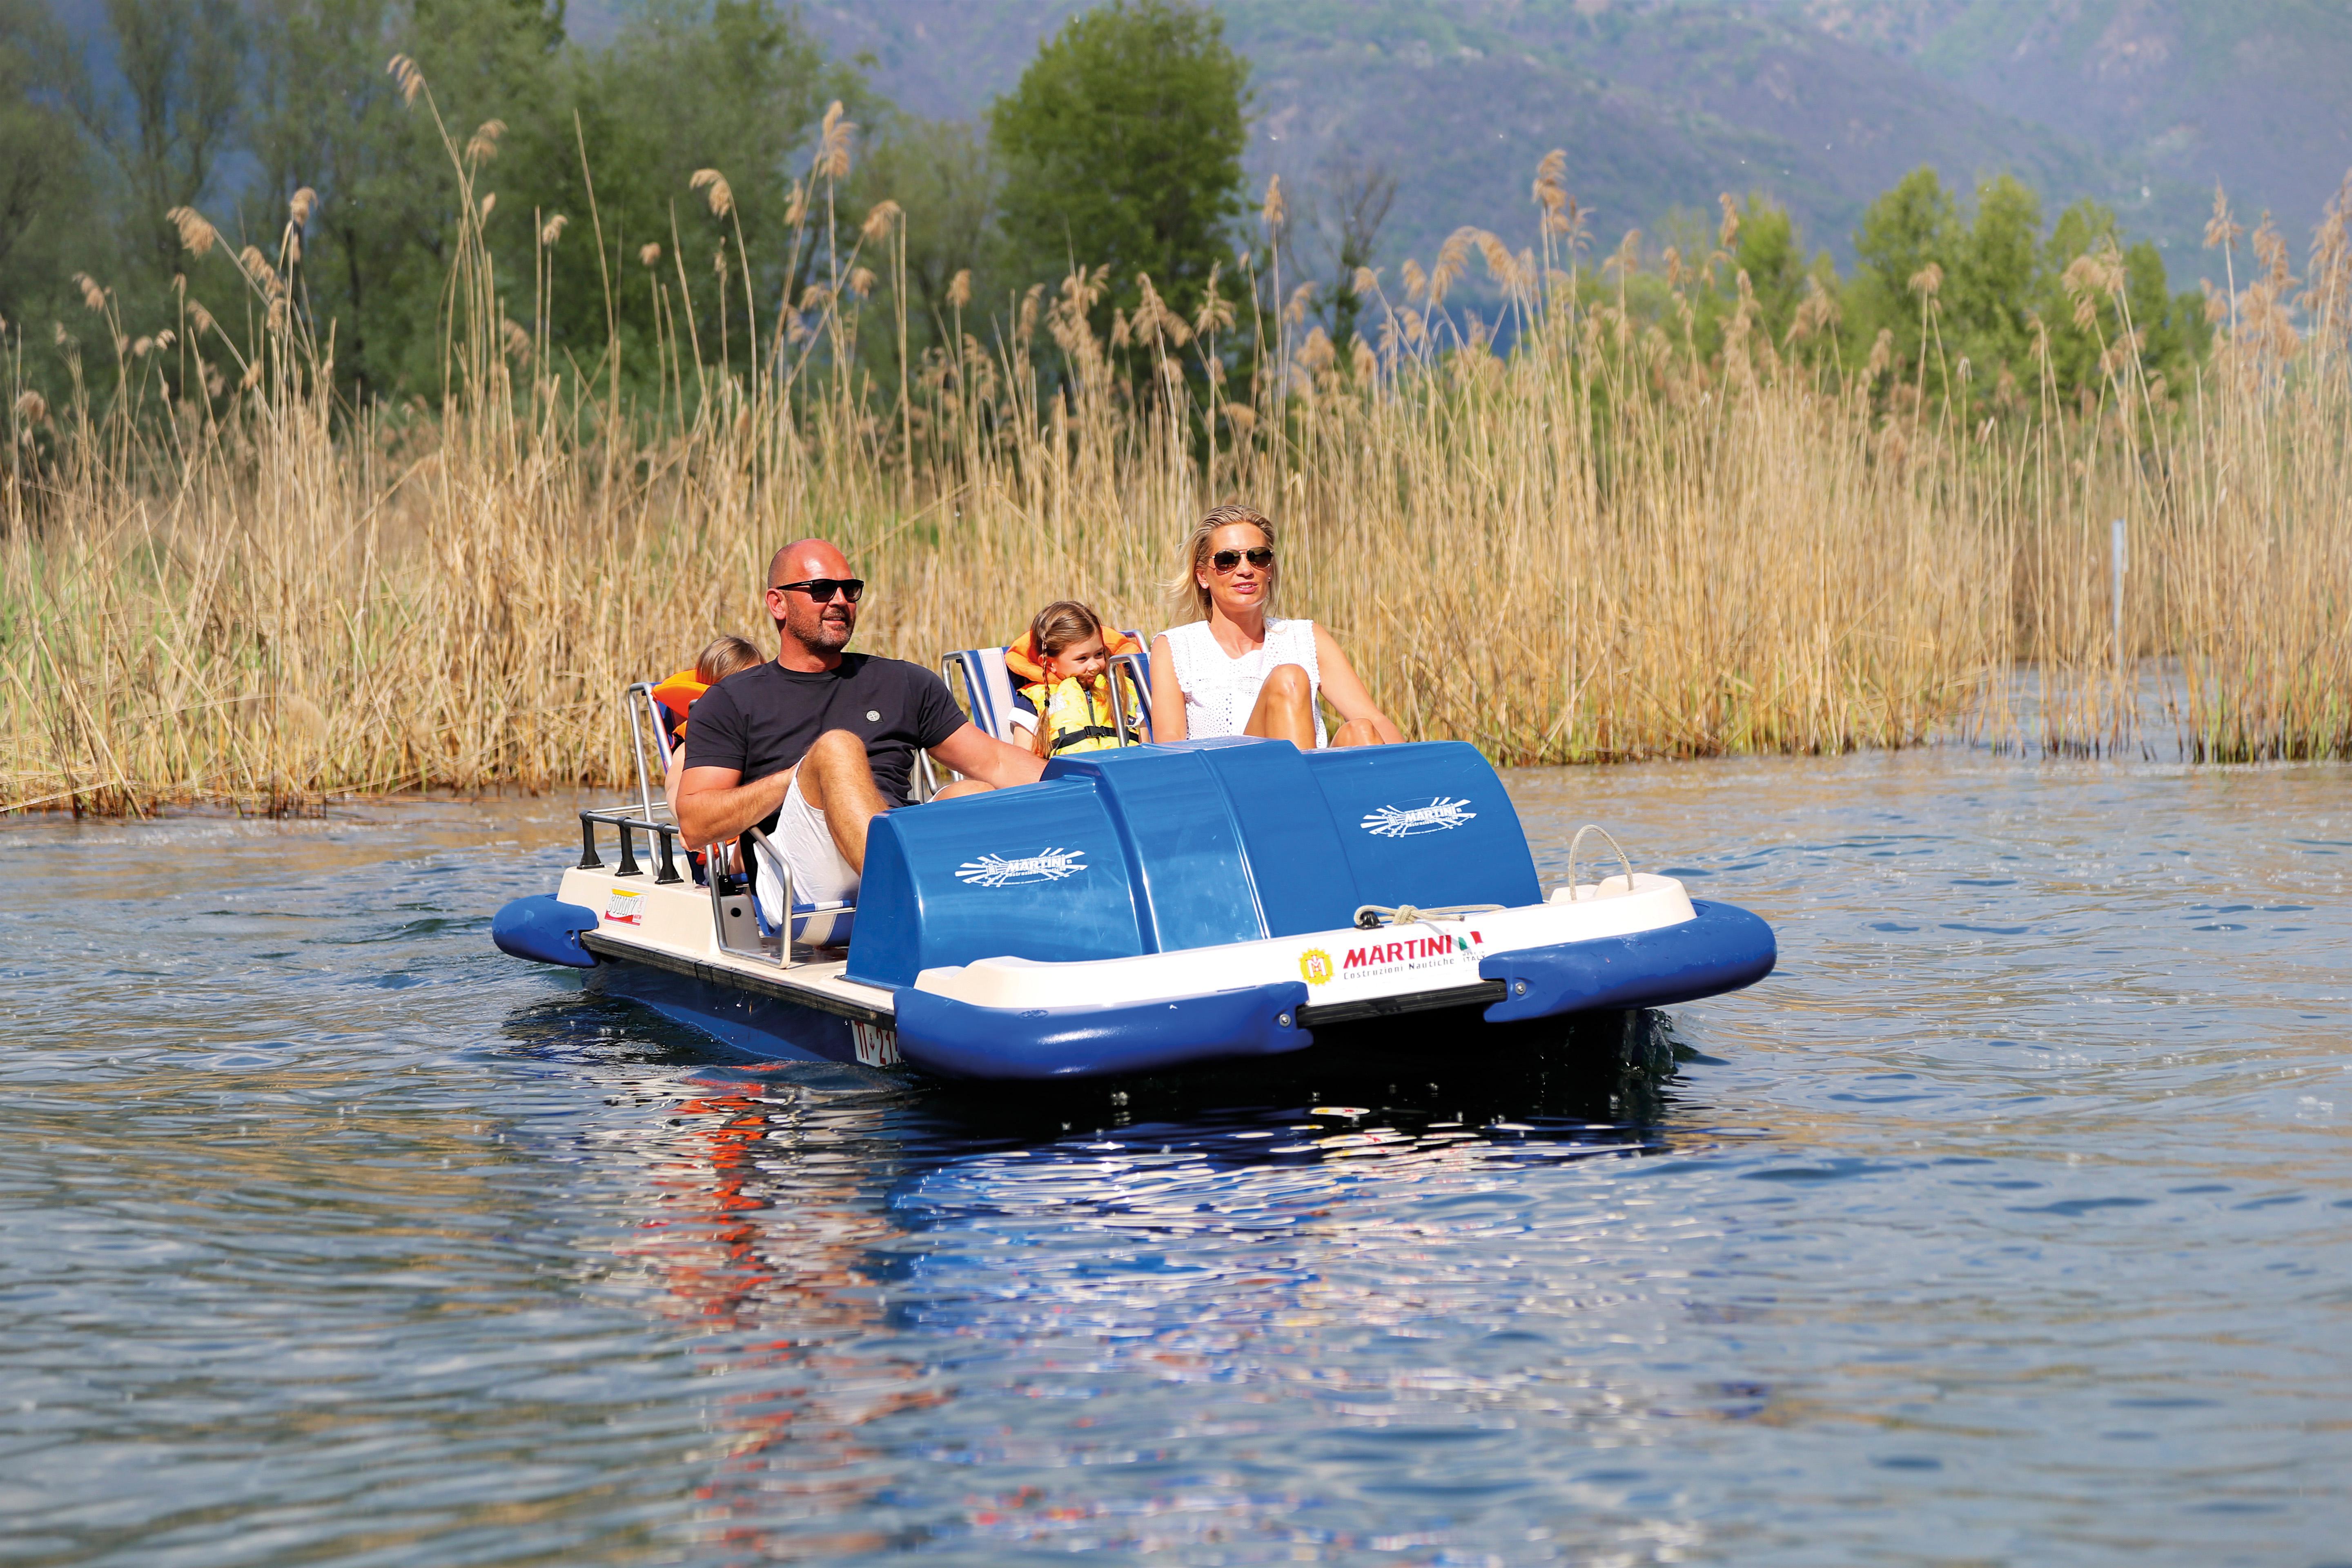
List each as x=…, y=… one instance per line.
x=1060, y=624
x=1196, y=557
x=724, y=658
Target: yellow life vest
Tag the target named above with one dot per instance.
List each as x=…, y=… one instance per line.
x=1076, y=718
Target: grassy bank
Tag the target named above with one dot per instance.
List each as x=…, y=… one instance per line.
x=1602, y=544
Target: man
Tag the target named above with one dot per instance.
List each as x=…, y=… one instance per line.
x=813, y=747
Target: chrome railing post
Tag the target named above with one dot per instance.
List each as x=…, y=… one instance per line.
x=637, y=745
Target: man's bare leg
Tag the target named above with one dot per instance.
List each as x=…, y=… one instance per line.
x=836, y=778
x=1286, y=708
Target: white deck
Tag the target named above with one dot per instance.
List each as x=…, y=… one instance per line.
x=670, y=927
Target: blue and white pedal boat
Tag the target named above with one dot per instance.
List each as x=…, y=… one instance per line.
x=1145, y=908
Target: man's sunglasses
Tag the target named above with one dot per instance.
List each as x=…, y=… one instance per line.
x=1225, y=560
x=823, y=589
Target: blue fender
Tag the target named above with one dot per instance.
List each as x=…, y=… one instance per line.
x=545, y=929
x=1722, y=950
x=963, y=1040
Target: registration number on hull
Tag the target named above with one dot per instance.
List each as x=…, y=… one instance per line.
x=877, y=1044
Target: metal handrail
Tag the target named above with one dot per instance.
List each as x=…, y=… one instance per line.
x=629, y=700
x=715, y=859
x=630, y=823
x=1140, y=727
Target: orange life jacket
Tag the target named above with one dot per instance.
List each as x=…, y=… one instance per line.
x=676, y=695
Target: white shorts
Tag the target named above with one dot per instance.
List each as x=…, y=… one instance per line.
x=819, y=875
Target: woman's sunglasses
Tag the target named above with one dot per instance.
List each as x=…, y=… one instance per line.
x=1225, y=560
x=823, y=589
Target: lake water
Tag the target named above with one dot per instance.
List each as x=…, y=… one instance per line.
x=2007, y=1223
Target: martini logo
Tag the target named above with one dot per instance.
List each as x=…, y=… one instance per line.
x=626, y=907
x=1436, y=815
x=1408, y=949
x=1047, y=866
x=1315, y=966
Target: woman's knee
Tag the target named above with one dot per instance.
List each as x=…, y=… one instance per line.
x=1288, y=683
x=1357, y=733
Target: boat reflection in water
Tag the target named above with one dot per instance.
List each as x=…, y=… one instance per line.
x=881, y=1282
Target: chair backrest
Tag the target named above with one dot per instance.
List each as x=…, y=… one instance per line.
x=987, y=688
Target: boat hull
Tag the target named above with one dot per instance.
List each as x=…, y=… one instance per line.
x=1721, y=949
x=759, y=1026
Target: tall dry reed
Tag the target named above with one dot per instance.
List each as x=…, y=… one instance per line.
x=1599, y=545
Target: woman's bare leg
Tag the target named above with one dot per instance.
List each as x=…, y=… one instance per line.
x=1286, y=708
x=1358, y=732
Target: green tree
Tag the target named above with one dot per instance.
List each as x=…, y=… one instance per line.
x=47, y=229
x=762, y=84
x=1122, y=147
x=1992, y=279
x=1905, y=230
x=1769, y=250
x=172, y=126
x=940, y=172
x=325, y=117
x=1359, y=192
x=2173, y=327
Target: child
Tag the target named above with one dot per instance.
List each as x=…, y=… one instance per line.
x=714, y=664
x=1064, y=663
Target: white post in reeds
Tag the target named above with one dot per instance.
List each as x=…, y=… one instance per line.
x=2117, y=544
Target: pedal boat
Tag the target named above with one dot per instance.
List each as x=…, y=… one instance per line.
x=1140, y=910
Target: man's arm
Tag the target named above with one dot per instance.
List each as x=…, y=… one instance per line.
x=984, y=757
x=714, y=804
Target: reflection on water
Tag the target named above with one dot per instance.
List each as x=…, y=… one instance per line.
x=2007, y=1223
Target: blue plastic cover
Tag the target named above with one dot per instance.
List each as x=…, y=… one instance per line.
x=1427, y=824
x=945, y=1036
x=546, y=929
x=1196, y=843
x=1032, y=872
x=1724, y=949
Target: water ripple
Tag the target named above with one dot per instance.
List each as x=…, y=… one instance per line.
x=2004, y=1223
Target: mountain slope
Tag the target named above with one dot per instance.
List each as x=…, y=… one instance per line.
x=2173, y=94
x=1660, y=107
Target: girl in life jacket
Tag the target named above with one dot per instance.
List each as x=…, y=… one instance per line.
x=1065, y=703
x=676, y=696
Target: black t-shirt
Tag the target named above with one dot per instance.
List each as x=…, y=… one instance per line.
x=762, y=721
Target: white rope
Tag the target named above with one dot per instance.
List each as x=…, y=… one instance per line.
x=1576, y=843
x=1371, y=917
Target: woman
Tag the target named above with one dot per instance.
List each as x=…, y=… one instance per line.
x=1242, y=672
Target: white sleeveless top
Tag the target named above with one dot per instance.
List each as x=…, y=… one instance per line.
x=1219, y=693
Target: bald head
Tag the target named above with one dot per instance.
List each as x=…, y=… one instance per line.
x=805, y=558
x=811, y=631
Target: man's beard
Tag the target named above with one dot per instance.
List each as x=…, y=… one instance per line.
x=829, y=635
